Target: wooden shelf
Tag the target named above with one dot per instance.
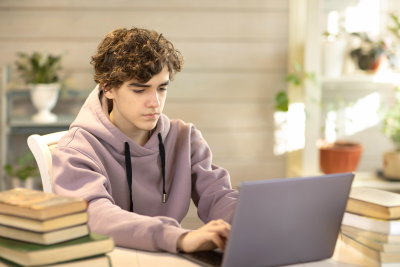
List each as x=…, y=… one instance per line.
x=25, y=121
x=69, y=93
x=384, y=77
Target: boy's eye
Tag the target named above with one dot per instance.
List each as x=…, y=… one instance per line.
x=162, y=88
x=138, y=91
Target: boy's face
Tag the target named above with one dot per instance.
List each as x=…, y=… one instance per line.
x=137, y=106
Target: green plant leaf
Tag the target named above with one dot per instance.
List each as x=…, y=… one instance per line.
x=9, y=170
x=282, y=102
x=294, y=79
x=311, y=76
x=297, y=67
x=38, y=68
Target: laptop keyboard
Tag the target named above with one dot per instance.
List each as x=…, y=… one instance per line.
x=205, y=258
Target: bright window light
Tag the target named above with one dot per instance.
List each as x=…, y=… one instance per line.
x=363, y=115
x=333, y=22
x=330, y=126
x=364, y=17
x=296, y=127
x=290, y=129
x=280, y=134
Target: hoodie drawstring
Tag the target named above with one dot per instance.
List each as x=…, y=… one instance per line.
x=162, y=154
x=128, y=165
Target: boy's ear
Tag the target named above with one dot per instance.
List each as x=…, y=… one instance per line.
x=108, y=92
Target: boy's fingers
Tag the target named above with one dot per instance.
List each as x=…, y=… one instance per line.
x=223, y=232
x=220, y=229
x=218, y=241
x=222, y=222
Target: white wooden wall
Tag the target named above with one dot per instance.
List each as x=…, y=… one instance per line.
x=235, y=59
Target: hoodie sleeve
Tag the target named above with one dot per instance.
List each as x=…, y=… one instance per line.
x=77, y=175
x=212, y=192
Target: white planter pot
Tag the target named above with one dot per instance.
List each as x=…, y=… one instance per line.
x=29, y=183
x=391, y=166
x=44, y=97
x=333, y=58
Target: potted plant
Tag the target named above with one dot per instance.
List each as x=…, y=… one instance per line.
x=24, y=173
x=372, y=55
x=337, y=157
x=391, y=128
x=40, y=73
x=340, y=156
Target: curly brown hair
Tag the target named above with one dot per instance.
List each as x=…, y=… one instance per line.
x=137, y=54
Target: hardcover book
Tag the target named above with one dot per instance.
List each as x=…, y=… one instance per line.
x=44, y=226
x=96, y=261
x=383, y=238
x=37, y=204
x=378, y=246
x=48, y=238
x=374, y=203
x=29, y=254
x=380, y=226
x=374, y=257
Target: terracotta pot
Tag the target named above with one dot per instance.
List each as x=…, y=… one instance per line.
x=391, y=165
x=340, y=156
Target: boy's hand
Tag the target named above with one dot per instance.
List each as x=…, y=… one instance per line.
x=210, y=236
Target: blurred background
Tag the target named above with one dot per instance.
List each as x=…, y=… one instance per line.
x=270, y=84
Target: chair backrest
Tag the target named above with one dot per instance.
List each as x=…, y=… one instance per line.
x=42, y=148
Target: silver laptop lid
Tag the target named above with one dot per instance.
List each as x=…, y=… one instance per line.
x=287, y=221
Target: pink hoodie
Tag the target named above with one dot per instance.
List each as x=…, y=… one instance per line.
x=89, y=162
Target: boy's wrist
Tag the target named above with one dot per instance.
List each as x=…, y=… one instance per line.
x=179, y=243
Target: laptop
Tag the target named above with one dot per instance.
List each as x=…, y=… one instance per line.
x=283, y=221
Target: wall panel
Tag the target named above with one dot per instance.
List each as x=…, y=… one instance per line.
x=211, y=5
x=221, y=116
x=95, y=25
x=198, y=56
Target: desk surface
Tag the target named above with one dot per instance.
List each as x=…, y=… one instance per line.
x=123, y=257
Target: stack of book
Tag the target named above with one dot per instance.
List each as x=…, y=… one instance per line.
x=371, y=226
x=39, y=229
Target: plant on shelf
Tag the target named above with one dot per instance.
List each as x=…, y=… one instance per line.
x=395, y=49
x=25, y=170
x=391, y=122
x=40, y=72
x=335, y=157
x=373, y=55
x=297, y=79
x=391, y=128
x=396, y=28
x=39, y=68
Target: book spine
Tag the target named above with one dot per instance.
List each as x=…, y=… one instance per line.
x=377, y=226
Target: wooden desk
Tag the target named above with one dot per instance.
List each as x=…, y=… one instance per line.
x=123, y=257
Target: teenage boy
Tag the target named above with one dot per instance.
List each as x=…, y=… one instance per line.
x=137, y=169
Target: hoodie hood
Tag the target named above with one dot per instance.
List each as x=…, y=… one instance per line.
x=94, y=117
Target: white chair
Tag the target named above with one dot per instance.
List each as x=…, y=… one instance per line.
x=42, y=148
